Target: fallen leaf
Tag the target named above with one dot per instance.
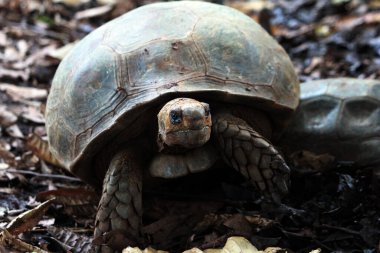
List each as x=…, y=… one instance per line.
x=11, y=54
x=249, y=7
x=61, y=52
x=15, y=74
x=9, y=241
x=78, y=196
x=17, y=92
x=94, y=12
x=239, y=224
x=7, y=118
x=7, y=156
x=14, y=131
x=28, y=219
x=32, y=114
x=40, y=148
x=72, y=2
x=306, y=158
x=3, y=39
x=147, y=250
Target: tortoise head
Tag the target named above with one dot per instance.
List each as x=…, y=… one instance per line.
x=184, y=122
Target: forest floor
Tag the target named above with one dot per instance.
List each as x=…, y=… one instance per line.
x=335, y=210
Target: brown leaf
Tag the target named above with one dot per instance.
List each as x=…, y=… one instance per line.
x=249, y=7
x=10, y=241
x=73, y=3
x=40, y=148
x=276, y=250
x=6, y=155
x=11, y=54
x=17, y=92
x=236, y=245
x=3, y=39
x=94, y=12
x=259, y=221
x=309, y=159
x=239, y=224
x=28, y=219
x=32, y=114
x=7, y=118
x=60, y=53
x=14, y=74
x=146, y=250
x=72, y=197
x=15, y=132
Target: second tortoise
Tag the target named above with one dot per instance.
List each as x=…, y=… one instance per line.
x=340, y=117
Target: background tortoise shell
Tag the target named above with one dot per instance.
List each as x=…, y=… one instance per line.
x=153, y=54
x=338, y=116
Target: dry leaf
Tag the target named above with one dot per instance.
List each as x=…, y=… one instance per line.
x=15, y=132
x=32, y=114
x=94, y=12
x=17, y=92
x=61, y=52
x=193, y=250
x=104, y=2
x=28, y=219
x=40, y=148
x=309, y=159
x=3, y=39
x=9, y=241
x=7, y=156
x=36, y=58
x=11, y=54
x=249, y=7
x=73, y=3
x=7, y=118
x=72, y=197
x=14, y=74
x=147, y=250
x=259, y=221
x=235, y=245
x=239, y=224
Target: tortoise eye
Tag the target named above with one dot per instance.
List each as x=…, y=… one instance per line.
x=175, y=117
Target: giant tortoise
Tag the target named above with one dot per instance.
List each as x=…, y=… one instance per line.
x=169, y=88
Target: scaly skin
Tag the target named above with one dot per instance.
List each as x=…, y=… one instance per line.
x=118, y=220
x=252, y=155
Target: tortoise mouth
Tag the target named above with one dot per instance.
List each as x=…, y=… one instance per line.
x=190, y=129
x=188, y=138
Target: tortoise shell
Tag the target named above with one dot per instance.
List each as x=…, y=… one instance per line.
x=155, y=53
x=338, y=116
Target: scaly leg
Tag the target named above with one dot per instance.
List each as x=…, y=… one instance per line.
x=118, y=220
x=252, y=155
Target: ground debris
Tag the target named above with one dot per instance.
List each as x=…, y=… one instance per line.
x=336, y=204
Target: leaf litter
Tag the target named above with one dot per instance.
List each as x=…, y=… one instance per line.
x=336, y=206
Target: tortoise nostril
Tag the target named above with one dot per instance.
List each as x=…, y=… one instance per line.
x=197, y=117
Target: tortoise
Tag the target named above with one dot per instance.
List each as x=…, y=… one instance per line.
x=338, y=116
x=170, y=88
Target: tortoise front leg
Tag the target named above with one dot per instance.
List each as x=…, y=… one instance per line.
x=252, y=155
x=118, y=220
